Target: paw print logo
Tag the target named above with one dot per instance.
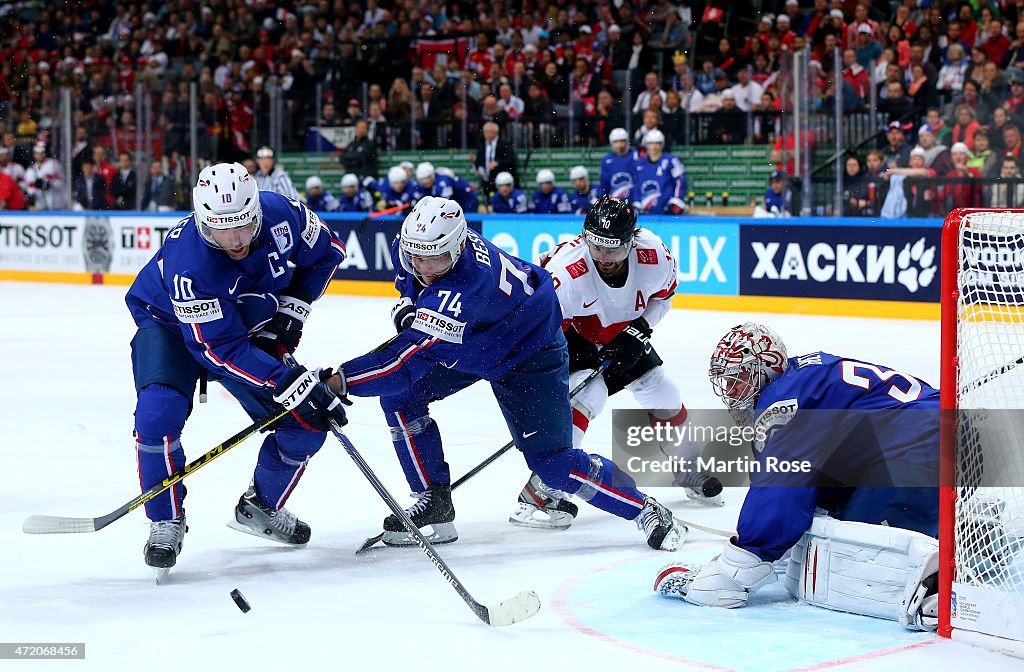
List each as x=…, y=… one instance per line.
x=916, y=266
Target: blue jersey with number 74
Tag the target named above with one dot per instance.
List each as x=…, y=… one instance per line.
x=488, y=314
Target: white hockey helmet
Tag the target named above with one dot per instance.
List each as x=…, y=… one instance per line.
x=618, y=134
x=544, y=175
x=226, y=197
x=654, y=136
x=744, y=362
x=503, y=178
x=397, y=176
x=432, y=238
x=407, y=167
x=314, y=182
x=579, y=173
x=424, y=170
x=349, y=180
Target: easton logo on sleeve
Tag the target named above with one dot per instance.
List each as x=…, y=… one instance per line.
x=198, y=311
x=439, y=325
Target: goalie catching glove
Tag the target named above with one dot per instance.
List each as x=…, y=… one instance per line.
x=282, y=333
x=306, y=395
x=629, y=346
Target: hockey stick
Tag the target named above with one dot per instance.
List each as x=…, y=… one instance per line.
x=372, y=541
x=389, y=211
x=515, y=609
x=710, y=530
x=988, y=377
x=64, y=525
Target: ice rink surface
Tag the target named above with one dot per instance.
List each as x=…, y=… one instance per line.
x=66, y=405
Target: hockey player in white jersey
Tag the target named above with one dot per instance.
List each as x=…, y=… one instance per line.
x=44, y=181
x=614, y=283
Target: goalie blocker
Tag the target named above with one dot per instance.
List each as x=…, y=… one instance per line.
x=871, y=570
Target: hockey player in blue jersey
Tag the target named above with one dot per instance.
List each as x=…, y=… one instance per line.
x=659, y=179
x=617, y=172
x=353, y=197
x=507, y=199
x=437, y=184
x=470, y=312
x=317, y=199
x=778, y=197
x=398, y=189
x=223, y=293
x=584, y=195
x=869, y=438
x=547, y=198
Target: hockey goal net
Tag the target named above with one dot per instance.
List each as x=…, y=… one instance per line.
x=981, y=540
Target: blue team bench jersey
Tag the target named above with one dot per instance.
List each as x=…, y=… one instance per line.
x=488, y=314
x=217, y=303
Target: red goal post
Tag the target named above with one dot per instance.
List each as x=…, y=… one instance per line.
x=981, y=507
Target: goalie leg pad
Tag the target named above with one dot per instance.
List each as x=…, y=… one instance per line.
x=872, y=570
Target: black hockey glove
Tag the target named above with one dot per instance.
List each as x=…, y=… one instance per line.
x=403, y=314
x=313, y=404
x=282, y=333
x=629, y=346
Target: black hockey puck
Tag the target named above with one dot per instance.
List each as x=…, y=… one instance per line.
x=240, y=601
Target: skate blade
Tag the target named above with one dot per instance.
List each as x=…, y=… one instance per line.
x=535, y=518
x=696, y=498
x=441, y=533
x=161, y=574
x=369, y=543
x=235, y=525
x=674, y=539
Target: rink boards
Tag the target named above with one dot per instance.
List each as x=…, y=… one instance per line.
x=836, y=266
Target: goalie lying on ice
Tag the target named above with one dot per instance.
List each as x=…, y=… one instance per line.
x=860, y=526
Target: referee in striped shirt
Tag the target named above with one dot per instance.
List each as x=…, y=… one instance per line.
x=271, y=177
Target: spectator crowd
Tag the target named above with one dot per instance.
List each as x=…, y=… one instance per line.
x=945, y=77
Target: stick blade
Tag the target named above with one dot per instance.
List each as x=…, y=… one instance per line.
x=515, y=609
x=369, y=543
x=58, y=525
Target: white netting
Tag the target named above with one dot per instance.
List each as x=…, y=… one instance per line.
x=989, y=527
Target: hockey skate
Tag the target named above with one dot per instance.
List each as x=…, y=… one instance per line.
x=255, y=518
x=700, y=487
x=543, y=508
x=433, y=509
x=657, y=522
x=166, y=538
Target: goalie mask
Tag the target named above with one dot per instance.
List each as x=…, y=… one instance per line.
x=226, y=198
x=744, y=362
x=432, y=238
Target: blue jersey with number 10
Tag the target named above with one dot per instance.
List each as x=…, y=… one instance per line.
x=852, y=422
x=487, y=315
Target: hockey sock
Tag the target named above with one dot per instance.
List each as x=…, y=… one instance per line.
x=593, y=478
x=418, y=446
x=281, y=465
